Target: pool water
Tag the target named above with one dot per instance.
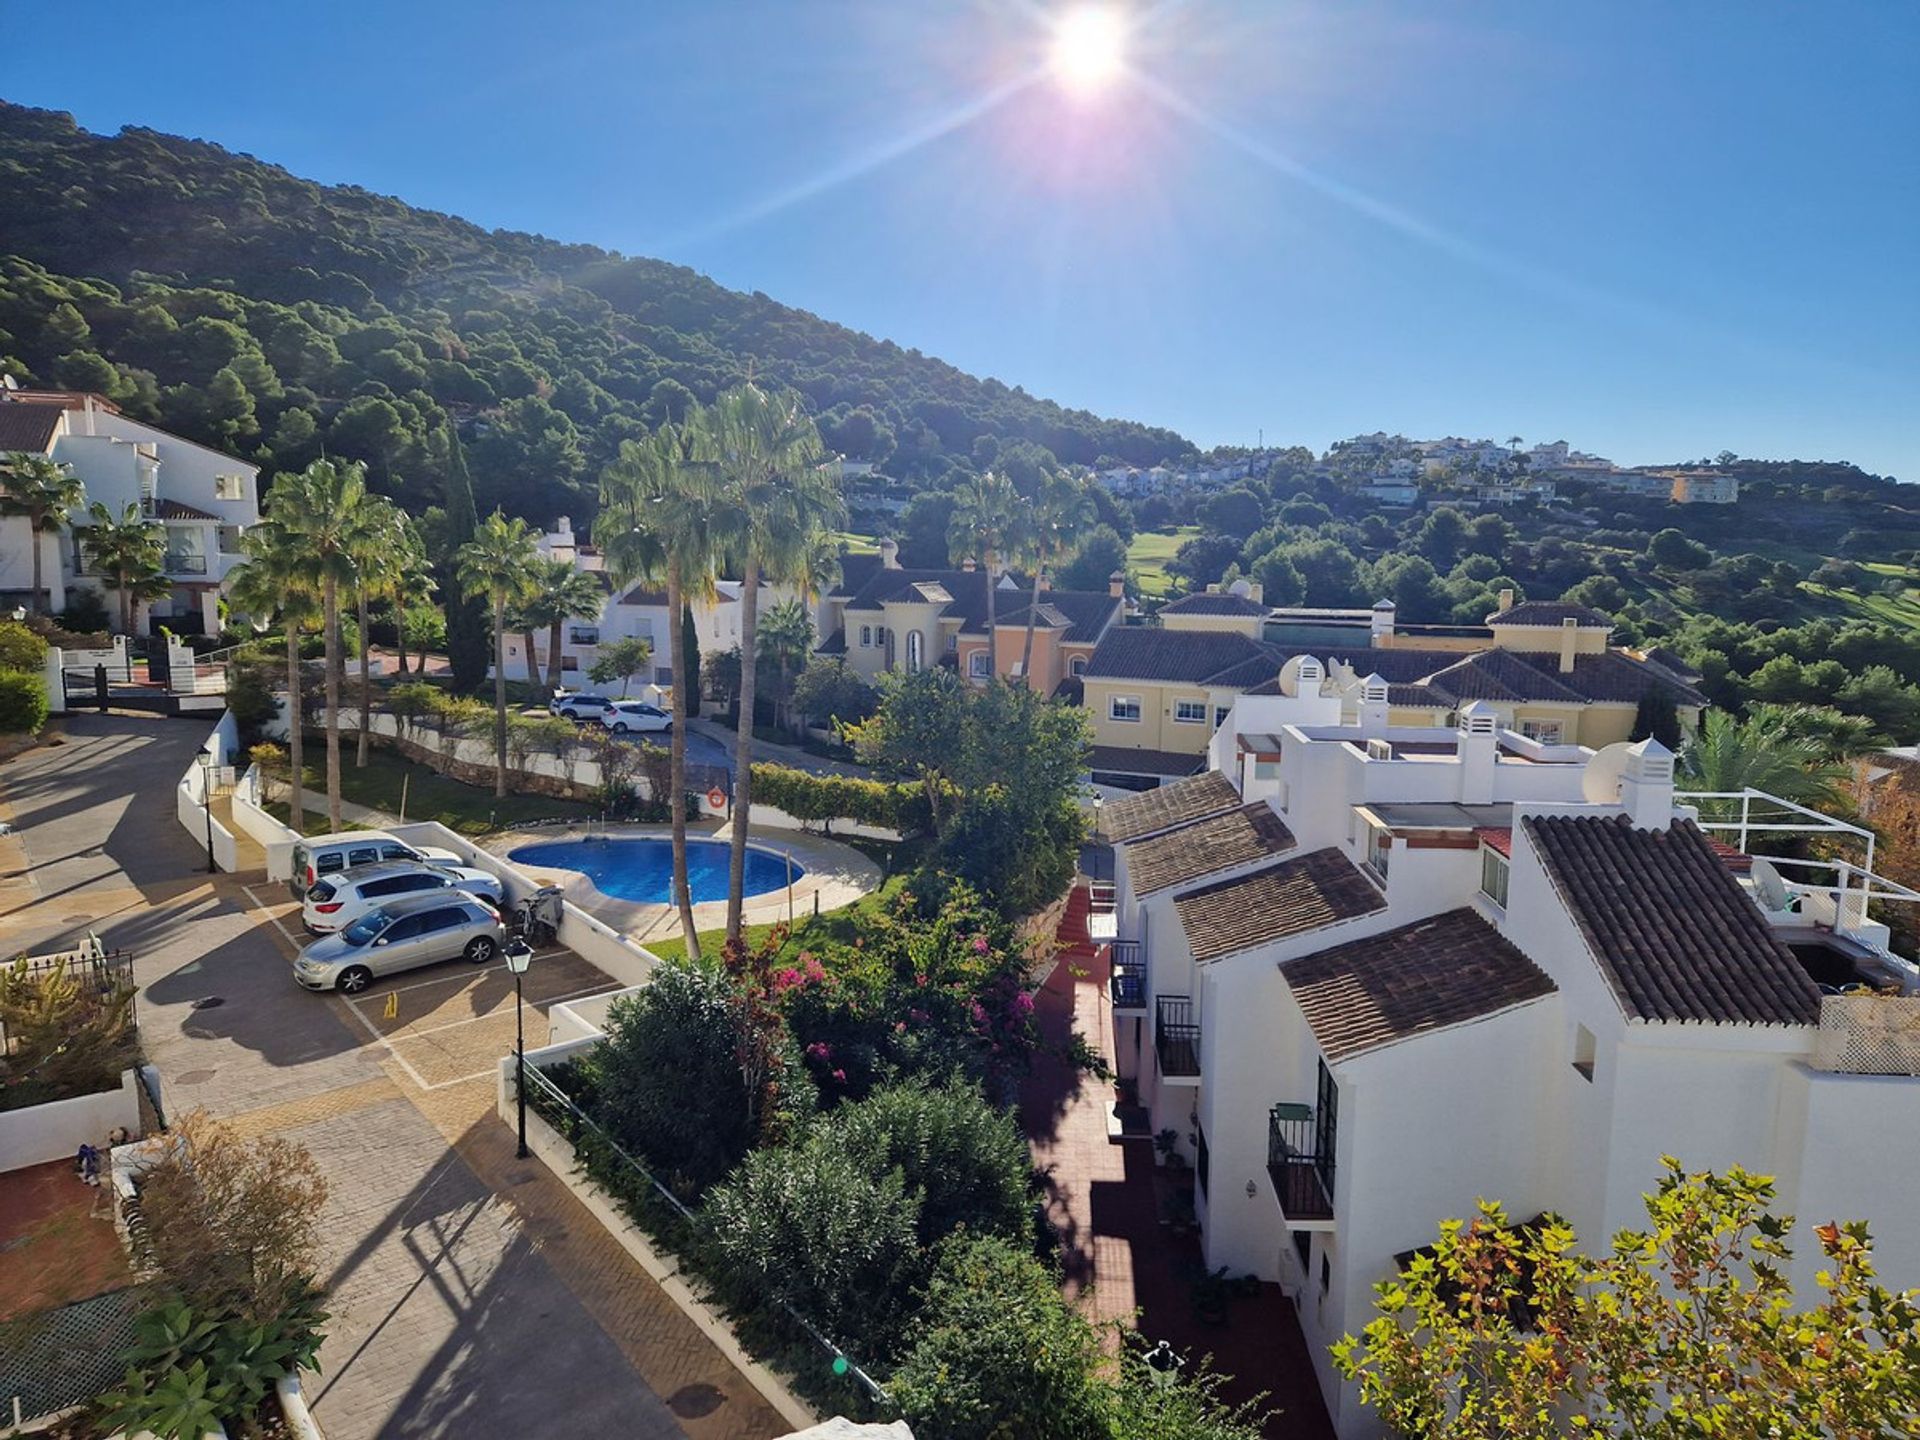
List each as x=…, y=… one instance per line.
x=642, y=870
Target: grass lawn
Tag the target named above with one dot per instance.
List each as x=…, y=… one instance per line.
x=856, y=544
x=464, y=809
x=1147, y=557
x=836, y=926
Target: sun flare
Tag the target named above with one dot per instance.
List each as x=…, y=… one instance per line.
x=1089, y=49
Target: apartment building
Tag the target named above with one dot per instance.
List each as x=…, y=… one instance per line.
x=1381, y=972
x=1703, y=487
x=203, y=499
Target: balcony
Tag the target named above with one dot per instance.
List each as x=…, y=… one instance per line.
x=1128, y=984
x=1176, y=1038
x=181, y=563
x=1102, y=923
x=1300, y=1164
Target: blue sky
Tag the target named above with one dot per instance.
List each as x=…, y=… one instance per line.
x=1653, y=230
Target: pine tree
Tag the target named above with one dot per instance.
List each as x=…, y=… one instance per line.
x=466, y=615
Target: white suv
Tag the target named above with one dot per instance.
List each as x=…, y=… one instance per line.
x=339, y=900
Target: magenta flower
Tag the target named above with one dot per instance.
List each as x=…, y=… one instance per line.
x=980, y=946
x=841, y=1076
x=819, y=1050
x=1023, y=1002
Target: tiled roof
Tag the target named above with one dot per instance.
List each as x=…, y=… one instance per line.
x=1152, y=811
x=1083, y=614
x=1426, y=976
x=1669, y=926
x=641, y=595
x=1183, y=656
x=1673, y=660
x=1551, y=612
x=1214, y=603
x=1613, y=676
x=1127, y=760
x=1500, y=675
x=28, y=427
x=1290, y=898
x=1393, y=665
x=1206, y=847
x=834, y=644
x=179, y=510
x=1497, y=838
x=1508, y=676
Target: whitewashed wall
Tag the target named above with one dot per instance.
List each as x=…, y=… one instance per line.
x=43, y=1133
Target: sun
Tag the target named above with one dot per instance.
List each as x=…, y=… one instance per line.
x=1089, y=49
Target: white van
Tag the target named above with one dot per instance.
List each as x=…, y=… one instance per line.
x=319, y=855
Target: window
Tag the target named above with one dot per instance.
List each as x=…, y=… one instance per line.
x=1326, y=1130
x=1547, y=732
x=1124, y=707
x=1190, y=712
x=1078, y=665
x=1220, y=713
x=363, y=855
x=1583, y=1051
x=229, y=487
x=449, y=918
x=1379, y=849
x=1494, y=871
x=977, y=665
x=569, y=662
x=866, y=637
x=1326, y=1273
x=583, y=635
x=407, y=927
x=913, y=652
x=1200, y=1164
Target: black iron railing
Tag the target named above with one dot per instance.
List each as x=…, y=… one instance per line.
x=181, y=564
x=1129, y=980
x=1176, y=1036
x=1300, y=1163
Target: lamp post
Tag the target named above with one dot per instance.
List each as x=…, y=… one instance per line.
x=519, y=956
x=206, y=804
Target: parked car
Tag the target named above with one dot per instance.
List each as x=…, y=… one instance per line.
x=401, y=934
x=320, y=855
x=635, y=716
x=342, y=898
x=579, y=707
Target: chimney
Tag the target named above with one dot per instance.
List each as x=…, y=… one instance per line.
x=1506, y=599
x=88, y=400
x=1569, y=635
x=563, y=526
x=1373, y=707
x=1256, y=591
x=1646, y=787
x=1382, y=625
x=1478, y=743
x=890, y=554
x=1117, y=584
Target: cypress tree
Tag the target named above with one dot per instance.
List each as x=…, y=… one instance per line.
x=467, y=626
x=690, y=647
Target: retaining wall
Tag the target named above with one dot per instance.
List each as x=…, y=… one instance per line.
x=57, y=1130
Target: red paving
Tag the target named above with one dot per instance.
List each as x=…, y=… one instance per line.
x=59, y=1244
x=1115, y=1257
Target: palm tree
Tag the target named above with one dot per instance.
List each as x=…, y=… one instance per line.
x=44, y=494
x=498, y=562
x=985, y=525
x=413, y=586
x=1730, y=754
x=560, y=593
x=768, y=460
x=278, y=575
x=322, y=510
x=662, y=513
x=1059, y=512
x=379, y=550
x=786, y=639
x=132, y=552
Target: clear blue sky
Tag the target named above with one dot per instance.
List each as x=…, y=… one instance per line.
x=1654, y=230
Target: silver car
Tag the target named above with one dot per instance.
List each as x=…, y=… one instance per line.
x=401, y=935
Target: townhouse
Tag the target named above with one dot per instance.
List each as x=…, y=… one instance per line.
x=204, y=501
x=1387, y=971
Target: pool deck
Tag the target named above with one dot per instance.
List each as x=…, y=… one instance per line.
x=836, y=875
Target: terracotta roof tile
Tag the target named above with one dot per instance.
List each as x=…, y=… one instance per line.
x=1206, y=847
x=1291, y=898
x=180, y=510
x=1669, y=926
x=1551, y=612
x=1426, y=976
x=1152, y=811
x=1136, y=652
x=1214, y=603
x=28, y=427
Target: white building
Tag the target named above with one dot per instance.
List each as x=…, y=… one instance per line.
x=1370, y=975
x=204, y=499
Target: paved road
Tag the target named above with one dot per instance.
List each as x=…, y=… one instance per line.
x=470, y=1294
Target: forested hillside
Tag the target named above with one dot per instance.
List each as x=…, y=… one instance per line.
x=234, y=302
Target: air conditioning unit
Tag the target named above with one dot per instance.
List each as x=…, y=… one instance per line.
x=1379, y=750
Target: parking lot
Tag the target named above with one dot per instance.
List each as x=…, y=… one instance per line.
x=447, y=1024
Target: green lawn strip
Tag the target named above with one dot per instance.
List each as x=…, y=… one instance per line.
x=1147, y=557
x=834, y=927
x=462, y=808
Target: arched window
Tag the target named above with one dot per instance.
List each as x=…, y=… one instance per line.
x=913, y=652
x=866, y=637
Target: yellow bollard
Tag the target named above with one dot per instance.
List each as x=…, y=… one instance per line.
x=392, y=1012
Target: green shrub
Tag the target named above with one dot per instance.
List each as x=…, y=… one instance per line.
x=86, y=612
x=996, y=1351
x=23, y=702
x=963, y=1161
x=21, y=649
x=189, y=1369
x=810, y=1227
x=251, y=694
x=813, y=799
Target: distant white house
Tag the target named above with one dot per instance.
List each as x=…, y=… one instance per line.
x=205, y=501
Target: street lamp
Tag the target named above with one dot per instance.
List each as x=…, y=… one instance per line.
x=519, y=956
x=206, y=804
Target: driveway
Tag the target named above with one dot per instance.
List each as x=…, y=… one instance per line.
x=470, y=1293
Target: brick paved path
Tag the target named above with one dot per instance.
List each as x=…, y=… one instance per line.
x=471, y=1295
x=1116, y=1258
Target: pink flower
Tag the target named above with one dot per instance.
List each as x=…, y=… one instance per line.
x=841, y=1076
x=899, y=1027
x=980, y=946
x=920, y=980
x=1023, y=1002
x=979, y=1013
x=819, y=1050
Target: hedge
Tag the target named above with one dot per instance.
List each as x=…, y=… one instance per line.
x=814, y=798
x=23, y=702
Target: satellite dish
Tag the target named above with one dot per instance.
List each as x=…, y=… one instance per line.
x=1768, y=888
x=1601, y=782
x=1290, y=675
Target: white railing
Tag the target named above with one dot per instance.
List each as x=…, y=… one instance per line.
x=1769, y=820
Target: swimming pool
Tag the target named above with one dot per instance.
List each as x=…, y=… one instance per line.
x=642, y=869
